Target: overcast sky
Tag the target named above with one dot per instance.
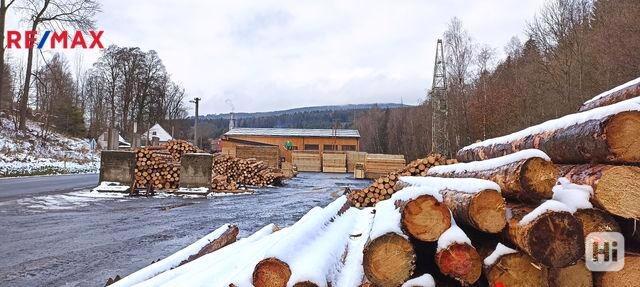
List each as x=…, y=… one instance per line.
x=271, y=55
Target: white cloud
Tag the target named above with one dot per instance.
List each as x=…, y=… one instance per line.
x=266, y=55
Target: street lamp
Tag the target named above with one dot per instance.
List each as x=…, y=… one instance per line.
x=195, y=125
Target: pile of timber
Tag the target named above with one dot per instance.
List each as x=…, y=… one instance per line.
x=158, y=167
x=231, y=173
x=268, y=154
x=377, y=165
x=353, y=158
x=334, y=162
x=310, y=161
x=179, y=147
x=383, y=187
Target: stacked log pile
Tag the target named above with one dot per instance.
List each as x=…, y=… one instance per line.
x=230, y=173
x=383, y=187
x=158, y=167
x=378, y=165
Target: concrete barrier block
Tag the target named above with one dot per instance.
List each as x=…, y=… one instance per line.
x=117, y=166
x=196, y=170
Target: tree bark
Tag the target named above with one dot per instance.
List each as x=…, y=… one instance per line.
x=612, y=139
x=616, y=189
x=595, y=220
x=629, y=92
x=528, y=180
x=554, y=238
x=228, y=237
x=484, y=210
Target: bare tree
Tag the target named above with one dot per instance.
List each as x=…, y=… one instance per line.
x=4, y=7
x=484, y=59
x=54, y=15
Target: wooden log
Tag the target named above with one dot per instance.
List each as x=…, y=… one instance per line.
x=515, y=268
x=595, y=220
x=271, y=272
x=424, y=218
x=599, y=136
x=389, y=260
x=228, y=237
x=571, y=276
x=616, y=189
x=618, y=94
x=457, y=259
x=553, y=238
x=629, y=276
x=473, y=202
x=525, y=177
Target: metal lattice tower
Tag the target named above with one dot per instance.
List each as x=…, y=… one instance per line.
x=439, y=135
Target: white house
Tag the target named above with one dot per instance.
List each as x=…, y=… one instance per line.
x=104, y=138
x=157, y=131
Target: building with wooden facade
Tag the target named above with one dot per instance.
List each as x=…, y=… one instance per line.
x=299, y=139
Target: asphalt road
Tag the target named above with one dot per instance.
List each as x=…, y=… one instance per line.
x=54, y=236
x=11, y=188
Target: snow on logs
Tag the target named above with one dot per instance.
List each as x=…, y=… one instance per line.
x=620, y=93
x=608, y=134
x=616, y=189
x=549, y=233
x=510, y=267
x=526, y=176
x=457, y=258
x=473, y=202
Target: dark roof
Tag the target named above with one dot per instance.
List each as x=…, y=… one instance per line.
x=293, y=132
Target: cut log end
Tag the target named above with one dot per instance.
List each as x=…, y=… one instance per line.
x=460, y=262
x=487, y=211
x=571, y=276
x=517, y=269
x=539, y=176
x=595, y=220
x=555, y=239
x=271, y=272
x=629, y=276
x=623, y=136
x=305, y=284
x=618, y=191
x=389, y=260
x=425, y=218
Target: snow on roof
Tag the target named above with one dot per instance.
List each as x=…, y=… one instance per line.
x=618, y=88
x=159, y=132
x=563, y=122
x=293, y=132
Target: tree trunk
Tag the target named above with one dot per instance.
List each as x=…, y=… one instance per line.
x=271, y=272
x=626, y=93
x=527, y=180
x=629, y=276
x=595, y=220
x=389, y=260
x=616, y=189
x=484, y=210
x=424, y=218
x=516, y=269
x=228, y=237
x=611, y=139
x=554, y=238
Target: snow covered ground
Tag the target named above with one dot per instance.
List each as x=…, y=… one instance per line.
x=28, y=153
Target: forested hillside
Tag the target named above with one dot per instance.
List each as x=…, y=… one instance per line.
x=575, y=49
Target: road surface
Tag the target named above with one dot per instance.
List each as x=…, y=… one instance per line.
x=12, y=188
x=55, y=236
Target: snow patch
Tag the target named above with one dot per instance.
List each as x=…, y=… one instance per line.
x=425, y=280
x=547, y=206
x=574, y=195
x=352, y=272
x=489, y=163
x=618, y=88
x=451, y=236
x=500, y=251
x=111, y=186
x=466, y=185
x=563, y=122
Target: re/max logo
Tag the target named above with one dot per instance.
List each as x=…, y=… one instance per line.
x=62, y=39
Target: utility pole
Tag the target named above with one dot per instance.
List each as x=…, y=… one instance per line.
x=195, y=125
x=439, y=133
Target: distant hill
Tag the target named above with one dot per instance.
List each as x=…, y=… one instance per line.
x=241, y=115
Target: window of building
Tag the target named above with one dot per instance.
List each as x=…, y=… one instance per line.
x=349, y=147
x=329, y=147
x=311, y=147
x=154, y=133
